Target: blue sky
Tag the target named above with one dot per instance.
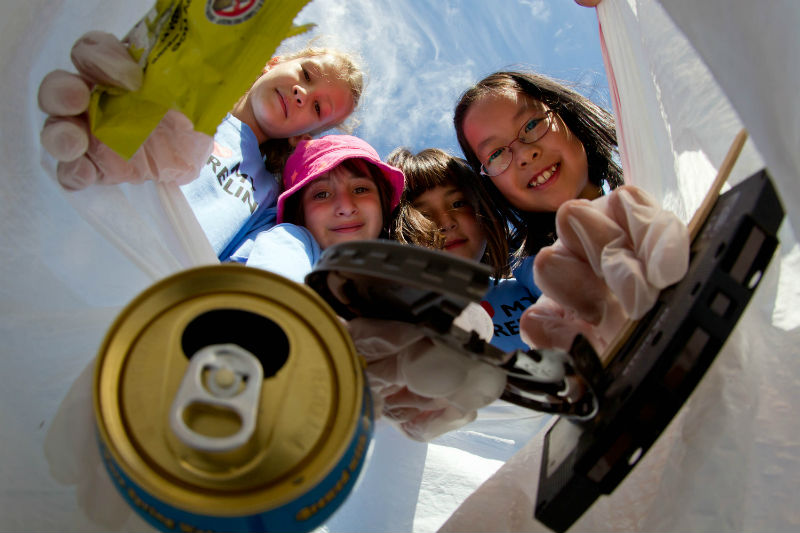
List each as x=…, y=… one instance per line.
x=421, y=55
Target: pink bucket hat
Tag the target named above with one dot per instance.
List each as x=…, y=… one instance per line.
x=313, y=158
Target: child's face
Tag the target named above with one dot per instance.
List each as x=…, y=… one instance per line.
x=298, y=96
x=449, y=209
x=342, y=206
x=542, y=175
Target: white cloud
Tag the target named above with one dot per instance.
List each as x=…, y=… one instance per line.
x=420, y=56
x=540, y=9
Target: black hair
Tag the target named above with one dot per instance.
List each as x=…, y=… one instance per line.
x=590, y=123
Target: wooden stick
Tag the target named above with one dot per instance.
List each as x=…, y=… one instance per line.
x=694, y=227
x=722, y=176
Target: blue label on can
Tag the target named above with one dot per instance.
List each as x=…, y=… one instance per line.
x=303, y=514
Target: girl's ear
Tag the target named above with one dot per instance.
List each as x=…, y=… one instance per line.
x=272, y=62
x=294, y=141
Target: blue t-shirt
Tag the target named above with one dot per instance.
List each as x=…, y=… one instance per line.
x=285, y=249
x=523, y=273
x=505, y=303
x=234, y=194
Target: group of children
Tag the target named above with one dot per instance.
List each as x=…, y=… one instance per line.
x=498, y=206
x=273, y=196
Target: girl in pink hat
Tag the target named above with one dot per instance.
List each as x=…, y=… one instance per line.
x=335, y=189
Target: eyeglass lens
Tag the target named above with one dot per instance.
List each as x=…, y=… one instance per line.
x=534, y=129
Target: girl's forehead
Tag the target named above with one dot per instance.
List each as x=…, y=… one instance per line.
x=509, y=99
x=353, y=169
x=325, y=65
x=445, y=189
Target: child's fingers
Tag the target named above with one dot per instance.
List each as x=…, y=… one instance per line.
x=62, y=93
x=65, y=138
x=547, y=325
x=101, y=58
x=585, y=229
x=571, y=282
x=77, y=174
x=658, y=238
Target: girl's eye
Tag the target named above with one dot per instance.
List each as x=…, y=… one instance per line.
x=532, y=123
x=306, y=75
x=458, y=204
x=317, y=108
x=321, y=195
x=494, y=155
x=362, y=189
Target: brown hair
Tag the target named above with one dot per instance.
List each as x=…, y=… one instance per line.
x=293, y=207
x=593, y=125
x=432, y=168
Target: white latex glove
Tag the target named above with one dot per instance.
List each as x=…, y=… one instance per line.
x=173, y=152
x=73, y=456
x=612, y=258
x=423, y=387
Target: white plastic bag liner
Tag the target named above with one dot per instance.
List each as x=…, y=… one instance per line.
x=71, y=261
x=729, y=461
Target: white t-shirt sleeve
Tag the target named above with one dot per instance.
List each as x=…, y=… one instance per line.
x=285, y=249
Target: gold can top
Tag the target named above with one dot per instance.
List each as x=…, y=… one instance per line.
x=307, y=409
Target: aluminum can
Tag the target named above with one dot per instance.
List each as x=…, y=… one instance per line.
x=228, y=398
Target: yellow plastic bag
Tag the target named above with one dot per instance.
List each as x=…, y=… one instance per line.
x=199, y=57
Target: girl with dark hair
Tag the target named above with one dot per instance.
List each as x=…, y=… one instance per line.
x=445, y=206
x=335, y=189
x=547, y=155
x=567, y=149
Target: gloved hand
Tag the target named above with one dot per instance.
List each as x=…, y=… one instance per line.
x=425, y=388
x=612, y=258
x=173, y=152
x=73, y=455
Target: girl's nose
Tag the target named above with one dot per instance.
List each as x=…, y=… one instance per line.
x=345, y=206
x=446, y=222
x=300, y=95
x=526, y=153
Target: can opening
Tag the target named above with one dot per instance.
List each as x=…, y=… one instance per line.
x=255, y=333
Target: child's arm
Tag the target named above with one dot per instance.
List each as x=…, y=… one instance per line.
x=174, y=151
x=612, y=258
x=287, y=250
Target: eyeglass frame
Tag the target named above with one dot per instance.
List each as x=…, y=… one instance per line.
x=548, y=115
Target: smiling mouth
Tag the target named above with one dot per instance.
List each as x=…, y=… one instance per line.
x=543, y=177
x=454, y=243
x=283, y=104
x=349, y=228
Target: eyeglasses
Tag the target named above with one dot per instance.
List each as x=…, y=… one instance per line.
x=534, y=129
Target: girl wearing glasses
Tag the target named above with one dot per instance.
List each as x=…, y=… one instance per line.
x=538, y=144
x=547, y=158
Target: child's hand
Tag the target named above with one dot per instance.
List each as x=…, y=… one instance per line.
x=425, y=388
x=173, y=152
x=612, y=258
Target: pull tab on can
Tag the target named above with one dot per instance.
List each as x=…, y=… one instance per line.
x=225, y=376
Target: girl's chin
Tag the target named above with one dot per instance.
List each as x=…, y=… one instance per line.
x=546, y=201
